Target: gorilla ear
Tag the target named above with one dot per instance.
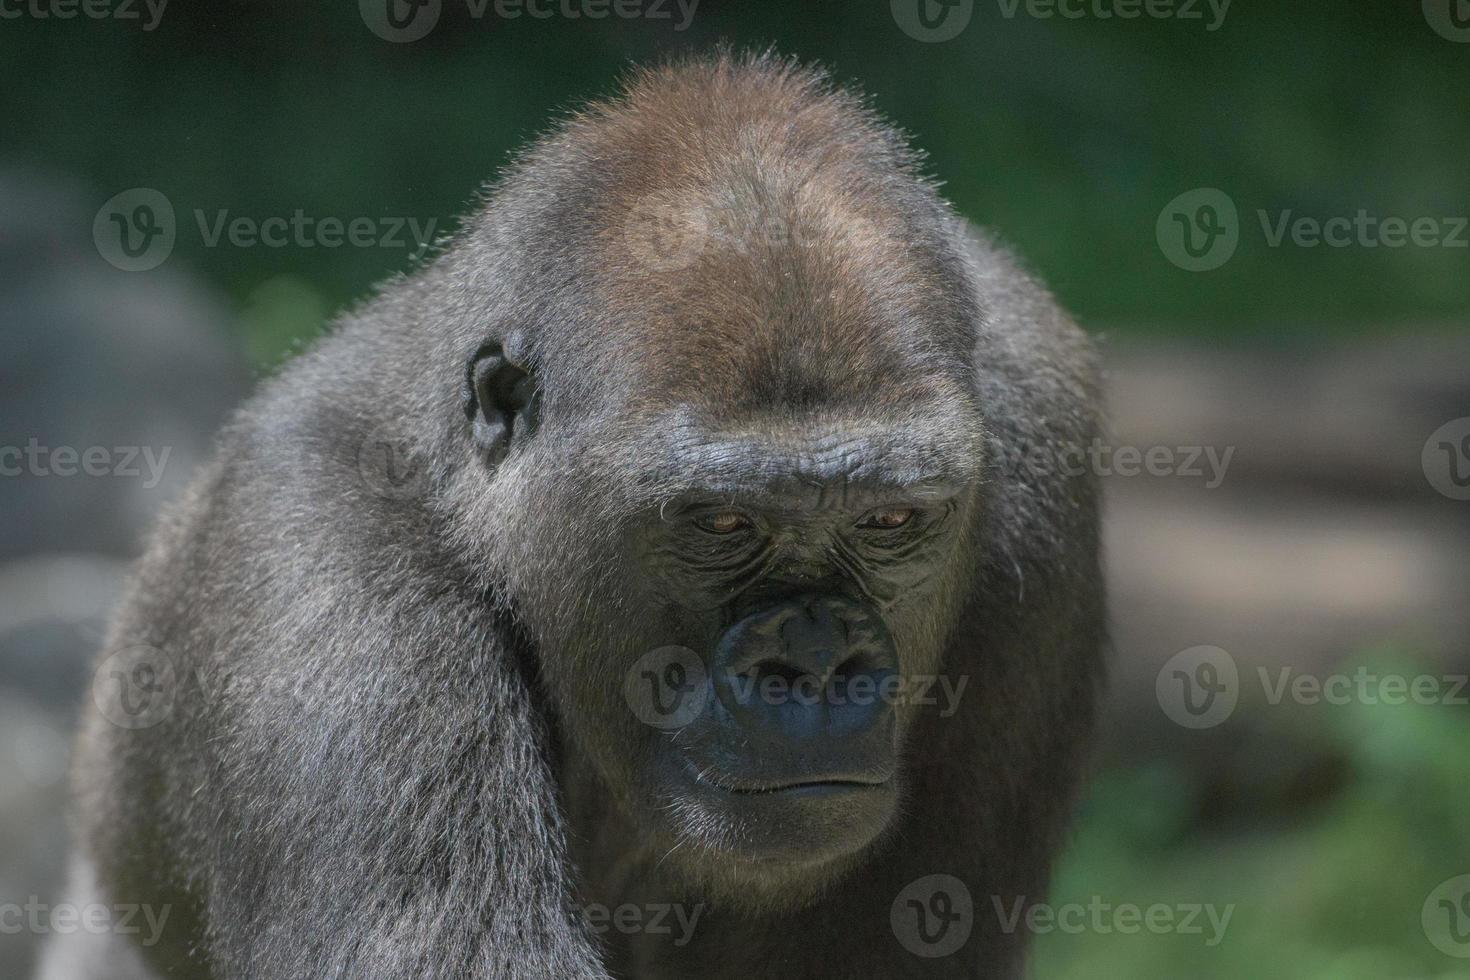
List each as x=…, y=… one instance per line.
x=501, y=401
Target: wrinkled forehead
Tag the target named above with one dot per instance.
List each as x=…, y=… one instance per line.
x=930, y=452
x=778, y=293
x=792, y=459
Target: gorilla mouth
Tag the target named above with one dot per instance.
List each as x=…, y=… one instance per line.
x=794, y=786
x=796, y=818
x=837, y=776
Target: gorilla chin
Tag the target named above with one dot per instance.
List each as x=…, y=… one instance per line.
x=770, y=846
x=802, y=829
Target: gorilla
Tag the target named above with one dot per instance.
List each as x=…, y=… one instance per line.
x=668, y=579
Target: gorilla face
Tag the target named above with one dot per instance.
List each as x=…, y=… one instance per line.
x=732, y=605
x=731, y=500
x=800, y=604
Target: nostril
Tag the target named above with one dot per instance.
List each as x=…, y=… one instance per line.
x=856, y=665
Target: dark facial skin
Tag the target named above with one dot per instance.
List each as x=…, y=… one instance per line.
x=794, y=594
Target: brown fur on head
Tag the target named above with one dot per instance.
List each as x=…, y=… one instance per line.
x=761, y=230
x=767, y=232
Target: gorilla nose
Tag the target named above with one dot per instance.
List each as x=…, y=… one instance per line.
x=808, y=667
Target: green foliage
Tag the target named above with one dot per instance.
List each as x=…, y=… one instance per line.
x=1066, y=136
x=1331, y=891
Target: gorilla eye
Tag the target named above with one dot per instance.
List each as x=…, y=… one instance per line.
x=724, y=522
x=886, y=519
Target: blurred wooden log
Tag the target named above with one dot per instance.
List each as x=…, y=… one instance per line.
x=1323, y=541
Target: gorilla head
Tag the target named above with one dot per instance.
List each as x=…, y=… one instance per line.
x=730, y=455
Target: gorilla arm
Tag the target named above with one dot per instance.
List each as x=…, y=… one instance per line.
x=353, y=781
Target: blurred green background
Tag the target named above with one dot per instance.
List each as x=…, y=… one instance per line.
x=1066, y=137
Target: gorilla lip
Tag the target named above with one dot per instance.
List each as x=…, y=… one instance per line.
x=815, y=785
x=844, y=783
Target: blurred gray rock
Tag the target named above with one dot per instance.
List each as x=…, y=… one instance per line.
x=1324, y=541
x=139, y=369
